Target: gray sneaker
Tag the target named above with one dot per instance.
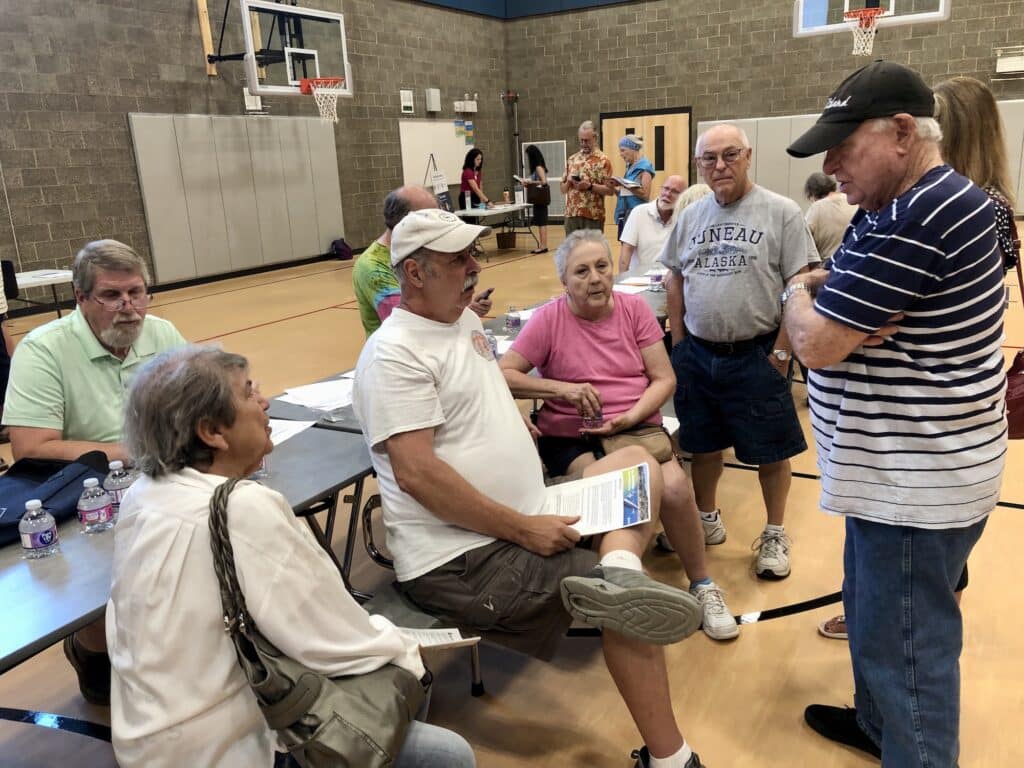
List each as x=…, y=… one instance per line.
x=772, y=560
x=643, y=759
x=714, y=529
x=632, y=604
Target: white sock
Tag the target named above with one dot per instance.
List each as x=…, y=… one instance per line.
x=710, y=516
x=678, y=760
x=775, y=528
x=621, y=558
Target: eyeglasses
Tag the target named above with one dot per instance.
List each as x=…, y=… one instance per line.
x=136, y=300
x=730, y=156
x=672, y=190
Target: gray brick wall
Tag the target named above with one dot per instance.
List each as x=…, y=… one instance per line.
x=726, y=59
x=70, y=73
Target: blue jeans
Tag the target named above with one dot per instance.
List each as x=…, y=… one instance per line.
x=905, y=636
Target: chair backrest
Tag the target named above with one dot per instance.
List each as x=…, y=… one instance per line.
x=10, y=279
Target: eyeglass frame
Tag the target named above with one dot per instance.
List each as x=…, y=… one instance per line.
x=713, y=158
x=120, y=304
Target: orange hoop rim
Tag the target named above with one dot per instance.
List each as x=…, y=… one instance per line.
x=307, y=84
x=865, y=17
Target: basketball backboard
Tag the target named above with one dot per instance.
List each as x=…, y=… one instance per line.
x=823, y=17
x=286, y=43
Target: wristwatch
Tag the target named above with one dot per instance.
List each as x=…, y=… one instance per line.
x=790, y=290
x=782, y=355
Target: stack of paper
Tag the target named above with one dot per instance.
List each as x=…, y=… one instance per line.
x=322, y=396
x=638, y=280
x=281, y=429
x=625, y=287
x=437, y=638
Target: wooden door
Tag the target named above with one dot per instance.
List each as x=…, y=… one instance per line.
x=666, y=136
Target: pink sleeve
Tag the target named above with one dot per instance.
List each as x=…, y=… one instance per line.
x=387, y=304
x=534, y=340
x=645, y=325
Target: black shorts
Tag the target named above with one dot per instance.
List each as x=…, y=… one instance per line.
x=557, y=453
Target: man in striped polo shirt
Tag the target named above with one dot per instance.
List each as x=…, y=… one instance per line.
x=907, y=405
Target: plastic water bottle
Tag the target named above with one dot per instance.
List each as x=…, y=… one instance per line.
x=468, y=198
x=38, y=532
x=95, y=509
x=489, y=335
x=512, y=319
x=116, y=483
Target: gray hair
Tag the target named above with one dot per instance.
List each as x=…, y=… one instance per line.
x=108, y=255
x=572, y=242
x=818, y=185
x=587, y=125
x=399, y=203
x=928, y=128
x=744, y=140
x=171, y=396
x=420, y=257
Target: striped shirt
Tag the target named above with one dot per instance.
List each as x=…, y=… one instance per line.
x=913, y=432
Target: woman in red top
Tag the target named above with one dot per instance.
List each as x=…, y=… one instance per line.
x=471, y=179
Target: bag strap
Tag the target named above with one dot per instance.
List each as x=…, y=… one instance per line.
x=1020, y=278
x=236, y=615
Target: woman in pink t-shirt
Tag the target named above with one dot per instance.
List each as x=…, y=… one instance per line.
x=600, y=355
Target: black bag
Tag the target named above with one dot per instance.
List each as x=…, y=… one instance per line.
x=341, y=250
x=57, y=484
x=538, y=194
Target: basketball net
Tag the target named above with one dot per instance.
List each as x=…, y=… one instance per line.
x=863, y=23
x=326, y=91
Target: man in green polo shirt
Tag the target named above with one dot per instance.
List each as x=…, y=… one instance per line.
x=68, y=386
x=373, y=279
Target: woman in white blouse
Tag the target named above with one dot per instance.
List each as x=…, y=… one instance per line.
x=178, y=695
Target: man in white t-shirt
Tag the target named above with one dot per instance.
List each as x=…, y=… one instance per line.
x=463, y=492
x=648, y=227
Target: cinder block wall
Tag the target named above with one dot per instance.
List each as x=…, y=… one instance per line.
x=725, y=58
x=71, y=71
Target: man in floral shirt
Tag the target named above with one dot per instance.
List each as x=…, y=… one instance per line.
x=586, y=183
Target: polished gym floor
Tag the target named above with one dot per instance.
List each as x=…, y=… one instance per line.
x=739, y=703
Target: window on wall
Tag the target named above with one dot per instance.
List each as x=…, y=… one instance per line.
x=822, y=17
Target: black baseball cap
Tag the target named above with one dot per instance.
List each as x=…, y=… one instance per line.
x=880, y=89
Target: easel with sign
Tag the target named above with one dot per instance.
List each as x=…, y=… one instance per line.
x=439, y=184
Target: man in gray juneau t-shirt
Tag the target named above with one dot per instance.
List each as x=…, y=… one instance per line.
x=730, y=256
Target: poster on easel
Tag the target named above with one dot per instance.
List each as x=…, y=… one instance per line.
x=439, y=183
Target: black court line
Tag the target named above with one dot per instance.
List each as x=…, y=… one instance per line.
x=789, y=610
x=56, y=722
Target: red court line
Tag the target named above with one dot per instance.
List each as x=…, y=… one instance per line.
x=246, y=287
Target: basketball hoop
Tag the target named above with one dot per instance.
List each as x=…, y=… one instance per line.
x=863, y=23
x=326, y=91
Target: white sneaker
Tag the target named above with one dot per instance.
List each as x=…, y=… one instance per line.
x=714, y=530
x=772, y=549
x=718, y=621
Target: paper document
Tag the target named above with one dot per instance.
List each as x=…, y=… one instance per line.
x=504, y=344
x=627, y=183
x=322, y=396
x=639, y=280
x=282, y=429
x=438, y=638
x=629, y=288
x=520, y=179
x=670, y=423
x=656, y=271
x=606, y=502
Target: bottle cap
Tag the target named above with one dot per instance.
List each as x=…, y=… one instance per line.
x=33, y=504
x=90, y=482
x=116, y=465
